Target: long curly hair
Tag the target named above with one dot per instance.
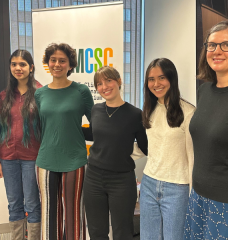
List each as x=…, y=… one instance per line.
x=175, y=114
x=29, y=110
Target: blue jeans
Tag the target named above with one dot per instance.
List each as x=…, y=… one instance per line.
x=21, y=190
x=163, y=208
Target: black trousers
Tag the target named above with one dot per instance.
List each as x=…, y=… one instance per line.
x=106, y=191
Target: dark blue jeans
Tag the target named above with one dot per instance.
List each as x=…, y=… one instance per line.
x=21, y=190
x=104, y=192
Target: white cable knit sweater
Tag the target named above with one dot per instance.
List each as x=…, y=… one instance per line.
x=170, y=150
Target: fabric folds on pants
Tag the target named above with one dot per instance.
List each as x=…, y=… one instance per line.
x=114, y=192
x=60, y=190
x=163, y=208
x=21, y=190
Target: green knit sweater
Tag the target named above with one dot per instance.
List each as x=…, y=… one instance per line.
x=63, y=146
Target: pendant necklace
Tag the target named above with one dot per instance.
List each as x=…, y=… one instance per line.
x=113, y=112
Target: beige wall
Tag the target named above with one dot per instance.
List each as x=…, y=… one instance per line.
x=170, y=32
x=4, y=214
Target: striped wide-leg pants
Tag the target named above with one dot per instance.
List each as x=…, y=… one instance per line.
x=61, y=192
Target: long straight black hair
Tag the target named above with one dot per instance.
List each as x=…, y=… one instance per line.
x=175, y=114
x=29, y=110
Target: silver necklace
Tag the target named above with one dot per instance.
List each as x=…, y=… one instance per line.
x=113, y=112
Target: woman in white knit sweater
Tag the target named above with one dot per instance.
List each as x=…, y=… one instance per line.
x=167, y=175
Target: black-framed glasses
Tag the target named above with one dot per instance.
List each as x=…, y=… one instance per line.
x=211, y=46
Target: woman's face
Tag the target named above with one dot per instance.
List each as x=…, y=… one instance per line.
x=20, y=69
x=158, y=84
x=59, y=64
x=218, y=60
x=109, y=88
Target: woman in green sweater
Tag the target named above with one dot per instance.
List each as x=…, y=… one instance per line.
x=62, y=154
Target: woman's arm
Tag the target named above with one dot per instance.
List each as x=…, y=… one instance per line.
x=189, y=148
x=36, y=97
x=141, y=138
x=137, y=153
x=88, y=133
x=88, y=101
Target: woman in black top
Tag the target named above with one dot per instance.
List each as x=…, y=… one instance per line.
x=110, y=184
x=207, y=216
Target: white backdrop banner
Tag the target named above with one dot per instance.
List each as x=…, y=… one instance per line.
x=95, y=31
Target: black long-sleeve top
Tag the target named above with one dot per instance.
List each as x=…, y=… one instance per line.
x=114, y=137
x=209, y=130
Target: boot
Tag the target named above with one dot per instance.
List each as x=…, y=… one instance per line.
x=18, y=229
x=34, y=230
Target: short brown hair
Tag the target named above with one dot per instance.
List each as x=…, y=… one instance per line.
x=68, y=50
x=205, y=71
x=106, y=72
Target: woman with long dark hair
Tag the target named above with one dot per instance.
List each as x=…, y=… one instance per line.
x=207, y=216
x=165, y=184
x=62, y=155
x=19, y=136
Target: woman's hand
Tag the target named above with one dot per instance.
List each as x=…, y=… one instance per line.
x=1, y=173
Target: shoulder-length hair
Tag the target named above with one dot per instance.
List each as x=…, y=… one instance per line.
x=175, y=114
x=29, y=110
x=205, y=71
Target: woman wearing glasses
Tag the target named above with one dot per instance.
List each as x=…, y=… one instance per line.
x=207, y=216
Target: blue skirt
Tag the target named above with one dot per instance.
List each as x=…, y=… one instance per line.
x=206, y=219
